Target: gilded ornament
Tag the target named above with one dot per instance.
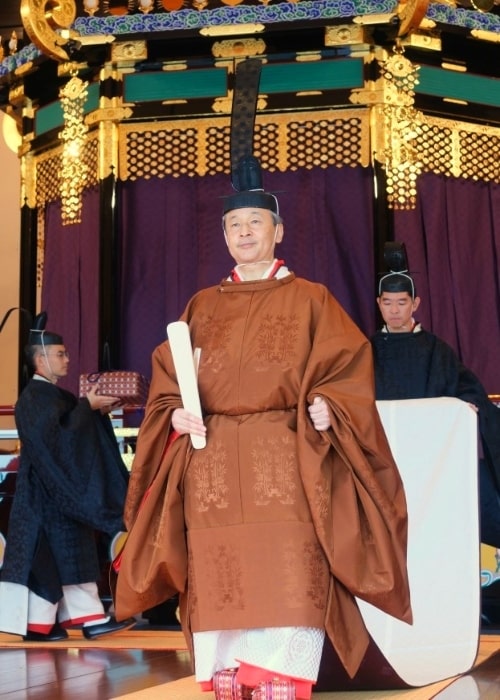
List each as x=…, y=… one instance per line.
x=16, y=94
x=28, y=180
x=23, y=69
x=74, y=89
x=371, y=94
x=238, y=47
x=424, y=41
x=223, y=105
x=399, y=130
x=310, y=56
x=484, y=35
x=344, y=34
x=411, y=13
x=108, y=149
x=73, y=173
x=69, y=68
x=109, y=114
x=385, y=18
x=129, y=51
x=232, y=29
x=401, y=72
x=41, y=19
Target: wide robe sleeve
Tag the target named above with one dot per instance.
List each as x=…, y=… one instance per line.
x=163, y=399
x=470, y=389
x=421, y=365
x=153, y=563
x=352, y=484
x=76, y=459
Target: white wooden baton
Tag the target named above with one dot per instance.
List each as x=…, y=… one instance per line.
x=186, y=367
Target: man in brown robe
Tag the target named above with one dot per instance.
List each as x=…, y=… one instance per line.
x=295, y=506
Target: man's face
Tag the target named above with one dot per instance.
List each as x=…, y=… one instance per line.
x=54, y=362
x=251, y=234
x=397, y=309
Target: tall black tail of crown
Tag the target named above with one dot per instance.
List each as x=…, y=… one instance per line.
x=395, y=256
x=245, y=168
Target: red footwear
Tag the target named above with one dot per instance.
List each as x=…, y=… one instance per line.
x=274, y=690
x=227, y=688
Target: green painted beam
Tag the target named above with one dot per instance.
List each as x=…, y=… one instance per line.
x=174, y=85
x=339, y=74
x=455, y=85
x=275, y=78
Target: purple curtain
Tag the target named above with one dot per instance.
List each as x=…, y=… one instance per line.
x=172, y=246
x=453, y=245
x=70, y=290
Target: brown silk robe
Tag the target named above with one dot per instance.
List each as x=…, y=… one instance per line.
x=273, y=523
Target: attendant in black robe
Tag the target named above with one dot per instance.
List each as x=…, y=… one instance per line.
x=411, y=363
x=71, y=482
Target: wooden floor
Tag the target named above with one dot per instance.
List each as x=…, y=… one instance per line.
x=87, y=674
x=31, y=673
